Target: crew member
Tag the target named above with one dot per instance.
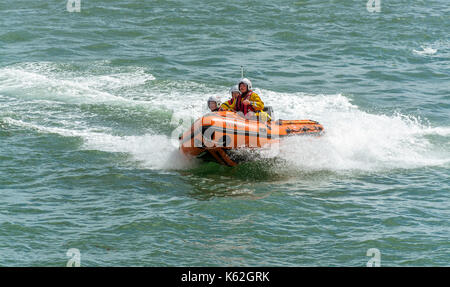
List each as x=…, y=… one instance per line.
x=213, y=104
x=246, y=102
x=231, y=104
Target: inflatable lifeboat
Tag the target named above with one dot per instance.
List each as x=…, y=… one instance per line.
x=216, y=135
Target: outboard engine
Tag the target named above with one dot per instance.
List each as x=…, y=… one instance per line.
x=269, y=110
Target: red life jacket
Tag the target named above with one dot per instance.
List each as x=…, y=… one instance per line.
x=240, y=107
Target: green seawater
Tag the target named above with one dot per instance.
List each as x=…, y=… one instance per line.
x=91, y=103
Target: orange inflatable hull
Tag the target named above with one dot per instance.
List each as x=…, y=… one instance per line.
x=216, y=134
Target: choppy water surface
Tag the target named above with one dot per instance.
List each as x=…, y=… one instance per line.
x=89, y=102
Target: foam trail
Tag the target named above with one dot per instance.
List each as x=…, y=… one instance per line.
x=425, y=51
x=440, y=131
x=441, y=47
x=37, y=81
x=354, y=139
x=153, y=151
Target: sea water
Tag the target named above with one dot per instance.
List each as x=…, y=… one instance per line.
x=92, y=100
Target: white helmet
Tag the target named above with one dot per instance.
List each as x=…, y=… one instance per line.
x=214, y=99
x=235, y=89
x=247, y=82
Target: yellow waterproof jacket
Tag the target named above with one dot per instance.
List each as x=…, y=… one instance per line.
x=237, y=105
x=256, y=106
